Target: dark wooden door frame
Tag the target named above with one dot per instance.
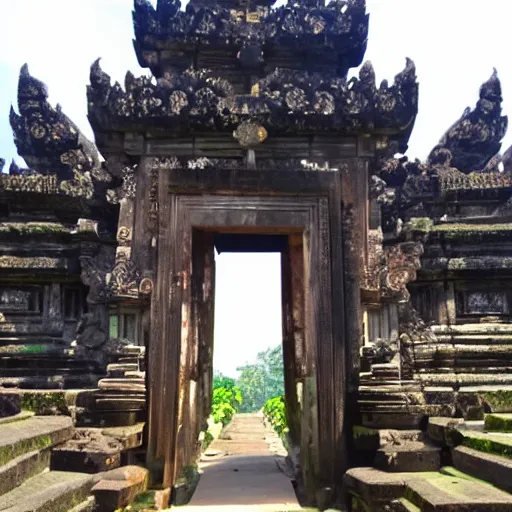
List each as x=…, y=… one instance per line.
x=248, y=202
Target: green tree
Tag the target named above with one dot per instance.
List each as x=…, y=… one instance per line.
x=220, y=381
x=261, y=380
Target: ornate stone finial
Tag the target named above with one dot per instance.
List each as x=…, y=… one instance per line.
x=476, y=137
x=46, y=138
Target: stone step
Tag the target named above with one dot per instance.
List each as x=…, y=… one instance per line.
x=122, y=384
x=438, y=492
x=473, y=378
x=465, y=329
x=125, y=367
x=55, y=491
x=78, y=381
x=135, y=375
x=497, y=398
x=369, y=439
x=19, y=469
x=118, y=487
x=414, y=456
x=494, y=469
x=33, y=434
x=498, y=422
x=20, y=416
x=488, y=442
x=443, y=431
x=427, y=491
x=120, y=404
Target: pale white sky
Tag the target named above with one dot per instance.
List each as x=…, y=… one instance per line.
x=454, y=43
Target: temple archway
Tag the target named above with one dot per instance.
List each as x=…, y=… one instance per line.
x=306, y=230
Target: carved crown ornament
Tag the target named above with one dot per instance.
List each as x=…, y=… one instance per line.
x=287, y=100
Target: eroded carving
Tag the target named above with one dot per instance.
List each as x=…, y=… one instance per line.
x=402, y=263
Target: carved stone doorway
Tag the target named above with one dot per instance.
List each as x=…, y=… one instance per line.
x=181, y=346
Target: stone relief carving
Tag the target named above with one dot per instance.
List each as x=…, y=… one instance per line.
x=97, y=261
x=371, y=281
x=125, y=277
x=402, y=263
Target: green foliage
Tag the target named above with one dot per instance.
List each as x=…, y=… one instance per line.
x=275, y=411
x=261, y=380
x=220, y=381
x=226, y=401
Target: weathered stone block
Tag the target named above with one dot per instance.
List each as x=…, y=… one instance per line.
x=409, y=456
x=485, y=466
x=119, y=487
x=443, y=430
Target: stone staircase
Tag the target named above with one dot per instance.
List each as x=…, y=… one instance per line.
x=455, y=466
x=26, y=482
x=121, y=398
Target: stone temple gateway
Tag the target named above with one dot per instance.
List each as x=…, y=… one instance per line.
x=397, y=321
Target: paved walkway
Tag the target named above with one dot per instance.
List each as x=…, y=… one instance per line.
x=241, y=473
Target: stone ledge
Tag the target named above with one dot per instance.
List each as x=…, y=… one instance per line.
x=485, y=466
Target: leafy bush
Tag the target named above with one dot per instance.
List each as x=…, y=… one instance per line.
x=225, y=403
x=275, y=411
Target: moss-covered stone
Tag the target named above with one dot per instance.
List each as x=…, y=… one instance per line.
x=45, y=404
x=360, y=431
x=9, y=452
x=424, y=224
x=498, y=423
x=498, y=401
x=488, y=443
x=451, y=471
x=33, y=228
x=455, y=229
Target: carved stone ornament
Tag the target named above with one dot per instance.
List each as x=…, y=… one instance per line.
x=371, y=281
x=340, y=26
x=476, y=137
x=47, y=139
x=402, y=263
x=124, y=279
x=124, y=235
x=127, y=190
x=146, y=286
x=96, y=262
x=288, y=100
x=250, y=134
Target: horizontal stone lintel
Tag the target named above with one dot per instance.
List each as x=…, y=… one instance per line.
x=225, y=146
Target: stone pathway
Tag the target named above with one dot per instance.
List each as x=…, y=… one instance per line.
x=240, y=472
